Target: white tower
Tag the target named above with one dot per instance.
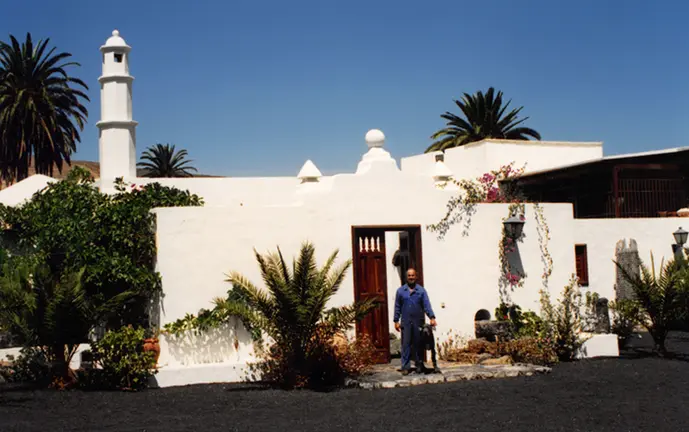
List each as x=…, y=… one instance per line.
x=117, y=130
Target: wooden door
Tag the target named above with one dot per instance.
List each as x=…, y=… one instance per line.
x=371, y=282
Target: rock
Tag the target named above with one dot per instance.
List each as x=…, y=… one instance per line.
x=628, y=258
x=469, y=358
x=395, y=347
x=489, y=330
x=388, y=384
x=602, y=316
x=504, y=360
x=418, y=381
x=434, y=379
x=453, y=378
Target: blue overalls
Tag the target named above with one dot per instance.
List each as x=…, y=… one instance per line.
x=410, y=306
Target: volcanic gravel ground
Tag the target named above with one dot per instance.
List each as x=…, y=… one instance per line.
x=632, y=393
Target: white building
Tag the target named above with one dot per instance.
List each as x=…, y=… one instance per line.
x=361, y=214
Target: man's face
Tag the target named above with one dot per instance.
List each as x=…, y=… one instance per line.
x=411, y=276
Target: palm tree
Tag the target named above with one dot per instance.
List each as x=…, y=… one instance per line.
x=53, y=312
x=293, y=312
x=41, y=114
x=660, y=298
x=162, y=161
x=484, y=117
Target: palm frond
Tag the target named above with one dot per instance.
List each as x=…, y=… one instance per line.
x=483, y=116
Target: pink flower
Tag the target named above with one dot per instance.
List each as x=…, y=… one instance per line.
x=492, y=194
x=487, y=178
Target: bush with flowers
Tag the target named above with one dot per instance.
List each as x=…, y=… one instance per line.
x=494, y=187
x=556, y=334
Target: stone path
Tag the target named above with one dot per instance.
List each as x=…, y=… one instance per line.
x=388, y=376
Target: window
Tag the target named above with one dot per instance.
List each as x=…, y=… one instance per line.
x=118, y=58
x=581, y=259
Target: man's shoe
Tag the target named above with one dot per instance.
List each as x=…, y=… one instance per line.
x=405, y=372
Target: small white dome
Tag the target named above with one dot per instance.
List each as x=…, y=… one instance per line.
x=309, y=171
x=115, y=40
x=375, y=138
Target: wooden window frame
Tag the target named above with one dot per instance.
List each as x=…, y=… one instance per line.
x=581, y=262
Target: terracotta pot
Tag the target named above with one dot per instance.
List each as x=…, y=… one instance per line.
x=152, y=345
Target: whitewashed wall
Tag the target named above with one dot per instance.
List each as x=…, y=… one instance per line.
x=601, y=235
x=477, y=158
x=198, y=246
x=22, y=191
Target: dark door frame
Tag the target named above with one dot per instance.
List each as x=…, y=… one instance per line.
x=415, y=244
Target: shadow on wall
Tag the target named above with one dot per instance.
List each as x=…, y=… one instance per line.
x=229, y=342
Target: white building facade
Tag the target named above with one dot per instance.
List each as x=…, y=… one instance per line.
x=198, y=246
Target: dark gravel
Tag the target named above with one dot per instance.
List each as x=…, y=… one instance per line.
x=632, y=393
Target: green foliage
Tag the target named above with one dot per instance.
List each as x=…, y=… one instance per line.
x=163, y=161
x=41, y=112
x=562, y=324
x=661, y=298
x=124, y=365
x=48, y=310
x=482, y=116
x=626, y=315
x=77, y=259
x=530, y=325
x=211, y=318
x=31, y=366
x=72, y=226
x=524, y=324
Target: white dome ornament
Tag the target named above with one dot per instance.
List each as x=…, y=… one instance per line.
x=377, y=159
x=375, y=138
x=309, y=173
x=116, y=41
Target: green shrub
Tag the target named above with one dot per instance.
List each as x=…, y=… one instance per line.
x=31, y=366
x=626, y=315
x=562, y=324
x=530, y=350
x=124, y=365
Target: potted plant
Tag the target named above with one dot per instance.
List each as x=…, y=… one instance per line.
x=152, y=344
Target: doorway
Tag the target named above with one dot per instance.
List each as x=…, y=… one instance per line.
x=370, y=260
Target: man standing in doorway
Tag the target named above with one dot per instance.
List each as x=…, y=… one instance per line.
x=411, y=303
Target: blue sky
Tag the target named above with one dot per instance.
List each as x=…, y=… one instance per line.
x=257, y=87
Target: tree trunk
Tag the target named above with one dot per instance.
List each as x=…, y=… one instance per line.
x=659, y=342
x=63, y=376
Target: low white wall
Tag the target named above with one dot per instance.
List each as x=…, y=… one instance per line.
x=5, y=354
x=601, y=236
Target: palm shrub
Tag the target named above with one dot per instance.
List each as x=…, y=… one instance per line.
x=50, y=311
x=661, y=298
x=292, y=313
